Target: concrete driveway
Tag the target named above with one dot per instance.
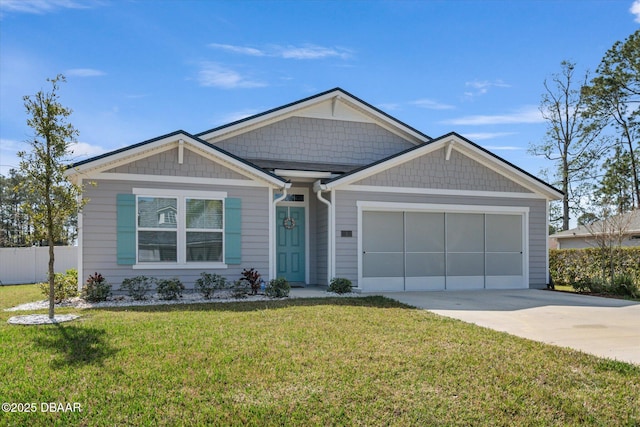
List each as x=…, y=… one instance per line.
x=601, y=326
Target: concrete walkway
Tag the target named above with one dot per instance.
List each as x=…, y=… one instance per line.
x=604, y=327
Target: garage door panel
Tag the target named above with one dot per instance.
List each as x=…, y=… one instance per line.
x=504, y=233
x=504, y=282
x=460, y=283
x=504, y=264
x=383, y=232
x=424, y=265
x=465, y=264
x=465, y=232
x=383, y=264
x=424, y=232
x=429, y=283
x=412, y=251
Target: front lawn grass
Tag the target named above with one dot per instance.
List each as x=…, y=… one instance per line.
x=334, y=361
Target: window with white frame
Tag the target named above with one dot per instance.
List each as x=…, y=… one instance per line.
x=180, y=229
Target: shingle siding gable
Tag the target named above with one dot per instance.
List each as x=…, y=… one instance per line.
x=166, y=163
x=301, y=139
x=434, y=171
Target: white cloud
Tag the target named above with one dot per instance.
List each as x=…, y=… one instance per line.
x=391, y=106
x=431, y=104
x=214, y=75
x=482, y=87
x=43, y=6
x=84, y=150
x=84, y=72
x=311, y=52
x=243, y=50
x=635, y=9
x=529, y=114
x=307, y=51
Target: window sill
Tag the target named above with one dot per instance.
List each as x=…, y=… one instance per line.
x=175, y=266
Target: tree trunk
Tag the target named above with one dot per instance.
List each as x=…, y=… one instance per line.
x=52, y=286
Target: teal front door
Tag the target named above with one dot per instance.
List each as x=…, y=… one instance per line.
x=290, y=243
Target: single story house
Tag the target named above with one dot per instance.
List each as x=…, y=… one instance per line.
x=328, y=186
x=621, y=229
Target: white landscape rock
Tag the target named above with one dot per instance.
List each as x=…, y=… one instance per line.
x=41, y=319
x=126, y=301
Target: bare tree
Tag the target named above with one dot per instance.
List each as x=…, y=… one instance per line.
x=571, y=141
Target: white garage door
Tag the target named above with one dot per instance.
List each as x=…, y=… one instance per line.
x=442, y=250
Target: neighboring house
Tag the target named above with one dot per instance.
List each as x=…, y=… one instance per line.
x=325, y=187
x=624, y=229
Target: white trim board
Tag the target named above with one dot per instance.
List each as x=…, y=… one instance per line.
x=173, y=179
x=439, y=192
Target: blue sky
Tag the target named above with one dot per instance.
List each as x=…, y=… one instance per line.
x=140, y=69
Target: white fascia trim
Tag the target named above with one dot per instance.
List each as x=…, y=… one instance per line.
x=440, y=192
x=107, y=176
x=366, y=205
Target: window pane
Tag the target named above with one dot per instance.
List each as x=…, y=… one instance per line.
x=204, y=246
x=157, y=246
x=156, y=212
x=204, y=214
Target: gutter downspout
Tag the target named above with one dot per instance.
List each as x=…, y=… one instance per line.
x=274, y=267
x=318, y=189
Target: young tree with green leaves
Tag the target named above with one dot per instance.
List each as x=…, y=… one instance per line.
x=614, y=97
x=44, y=167
x=571, y=141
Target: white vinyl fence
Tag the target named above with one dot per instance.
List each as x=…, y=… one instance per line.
x=30, y=265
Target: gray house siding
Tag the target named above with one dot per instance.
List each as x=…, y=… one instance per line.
x=347, y=219
x=299, y=139
x=99, y=231
x=433, y=171
x=166, y=163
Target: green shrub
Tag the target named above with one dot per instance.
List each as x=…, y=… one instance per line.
x=340, y=285
x=278, y=288
x=240, y=289
x=169, y=289
x=208, y=283
x=594, y=285
x=65, y=285
x=625, y=285
x=96, y=288
x=137, y=287
x=570, y=265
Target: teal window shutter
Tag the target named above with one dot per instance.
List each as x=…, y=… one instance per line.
x=126, y=228
x=232, y=230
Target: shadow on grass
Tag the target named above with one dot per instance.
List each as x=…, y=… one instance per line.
x=75, y=345
x=243, y=306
